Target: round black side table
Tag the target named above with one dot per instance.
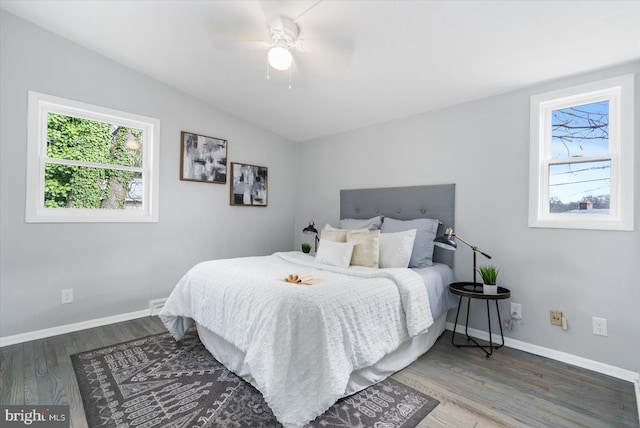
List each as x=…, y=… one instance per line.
x=473, y=290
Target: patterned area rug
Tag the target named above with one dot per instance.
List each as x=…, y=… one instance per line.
x=158, y=382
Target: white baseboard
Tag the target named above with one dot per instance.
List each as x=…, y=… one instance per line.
x=68, y=328
x=564, y=357
x=637, y=385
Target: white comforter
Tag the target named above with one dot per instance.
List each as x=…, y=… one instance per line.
x=301, y=341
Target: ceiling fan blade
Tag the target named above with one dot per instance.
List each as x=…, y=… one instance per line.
x=292, y=10
x=270, y=10
x=340, y=47
x=325, y=57
x=321, y=67
x=237, y=22
x=240, y=46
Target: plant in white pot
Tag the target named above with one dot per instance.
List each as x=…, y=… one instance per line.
x=489, y=274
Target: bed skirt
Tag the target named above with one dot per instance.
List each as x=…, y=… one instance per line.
x=409, y=351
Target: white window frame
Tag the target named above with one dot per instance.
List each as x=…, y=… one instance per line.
x=620, y=94
x=40, y=105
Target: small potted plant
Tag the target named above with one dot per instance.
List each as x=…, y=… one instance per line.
x=306, y=248
x=489, y=276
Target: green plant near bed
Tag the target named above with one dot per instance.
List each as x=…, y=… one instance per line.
x=306, y=248
x=489, y=274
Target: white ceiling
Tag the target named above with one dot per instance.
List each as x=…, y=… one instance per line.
x=366, y=61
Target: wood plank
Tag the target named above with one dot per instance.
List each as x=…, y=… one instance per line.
x=64, y=348
x=120, y=332
x=50, y=383
x=34, y=365
x=155, y=325
x=150, y=325
x=12, y=374
x=77, y=339
x=91, y=339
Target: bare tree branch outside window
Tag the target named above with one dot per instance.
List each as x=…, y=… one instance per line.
x=580, y=185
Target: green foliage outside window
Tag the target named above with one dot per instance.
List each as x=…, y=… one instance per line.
x=76, y=139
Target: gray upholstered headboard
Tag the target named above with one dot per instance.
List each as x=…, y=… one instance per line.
x=404, y=203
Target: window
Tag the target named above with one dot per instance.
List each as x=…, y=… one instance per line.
x=90, y=164
x=581, y=159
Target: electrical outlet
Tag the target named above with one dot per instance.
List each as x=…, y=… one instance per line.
x=67, y=296
x=516, y=311
x=556, y=317
x=600, y=326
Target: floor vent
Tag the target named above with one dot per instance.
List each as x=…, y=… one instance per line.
x=156, y=305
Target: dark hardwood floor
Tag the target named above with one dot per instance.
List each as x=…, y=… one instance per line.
x=516, y=389
x=512, y=388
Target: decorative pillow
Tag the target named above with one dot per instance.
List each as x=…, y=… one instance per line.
x=366, y=247
x=396, y=248
x=427, y=229
x=332, y=234
x=373, y=223
x=334, y=253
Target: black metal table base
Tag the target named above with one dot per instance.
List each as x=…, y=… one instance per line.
x=491, y=346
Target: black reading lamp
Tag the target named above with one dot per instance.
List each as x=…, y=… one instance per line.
x=311, y=229
x=447, y=242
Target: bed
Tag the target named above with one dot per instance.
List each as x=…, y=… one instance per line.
x=305, y=346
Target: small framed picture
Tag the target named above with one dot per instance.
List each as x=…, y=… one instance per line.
x=250, y=185
x=203, y=158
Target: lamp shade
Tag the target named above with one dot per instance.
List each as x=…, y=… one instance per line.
x=445, y=242
x=310, y=229
x=280, y=58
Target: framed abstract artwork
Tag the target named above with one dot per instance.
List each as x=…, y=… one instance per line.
x=249, y=186
x=203, y=158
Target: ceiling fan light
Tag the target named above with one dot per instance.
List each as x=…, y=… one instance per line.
x=280, y=58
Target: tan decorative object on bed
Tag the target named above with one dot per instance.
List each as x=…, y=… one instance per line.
x=332, y=234
x=306, y=278
x=366, y=247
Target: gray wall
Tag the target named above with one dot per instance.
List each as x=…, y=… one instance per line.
x=483, y=147
x=117, y=268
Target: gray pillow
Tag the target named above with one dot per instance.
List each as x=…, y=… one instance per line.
x=356, y=224
x=427, y=229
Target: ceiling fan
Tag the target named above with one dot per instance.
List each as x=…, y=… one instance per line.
x=315, y=55
x=284, y=37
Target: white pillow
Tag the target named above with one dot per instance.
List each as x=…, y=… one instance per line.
x=427, y=228
x=334, y=253
x=396, y=248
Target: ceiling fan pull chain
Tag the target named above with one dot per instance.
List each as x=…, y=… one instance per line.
x=268, y=69
x=290, y=77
